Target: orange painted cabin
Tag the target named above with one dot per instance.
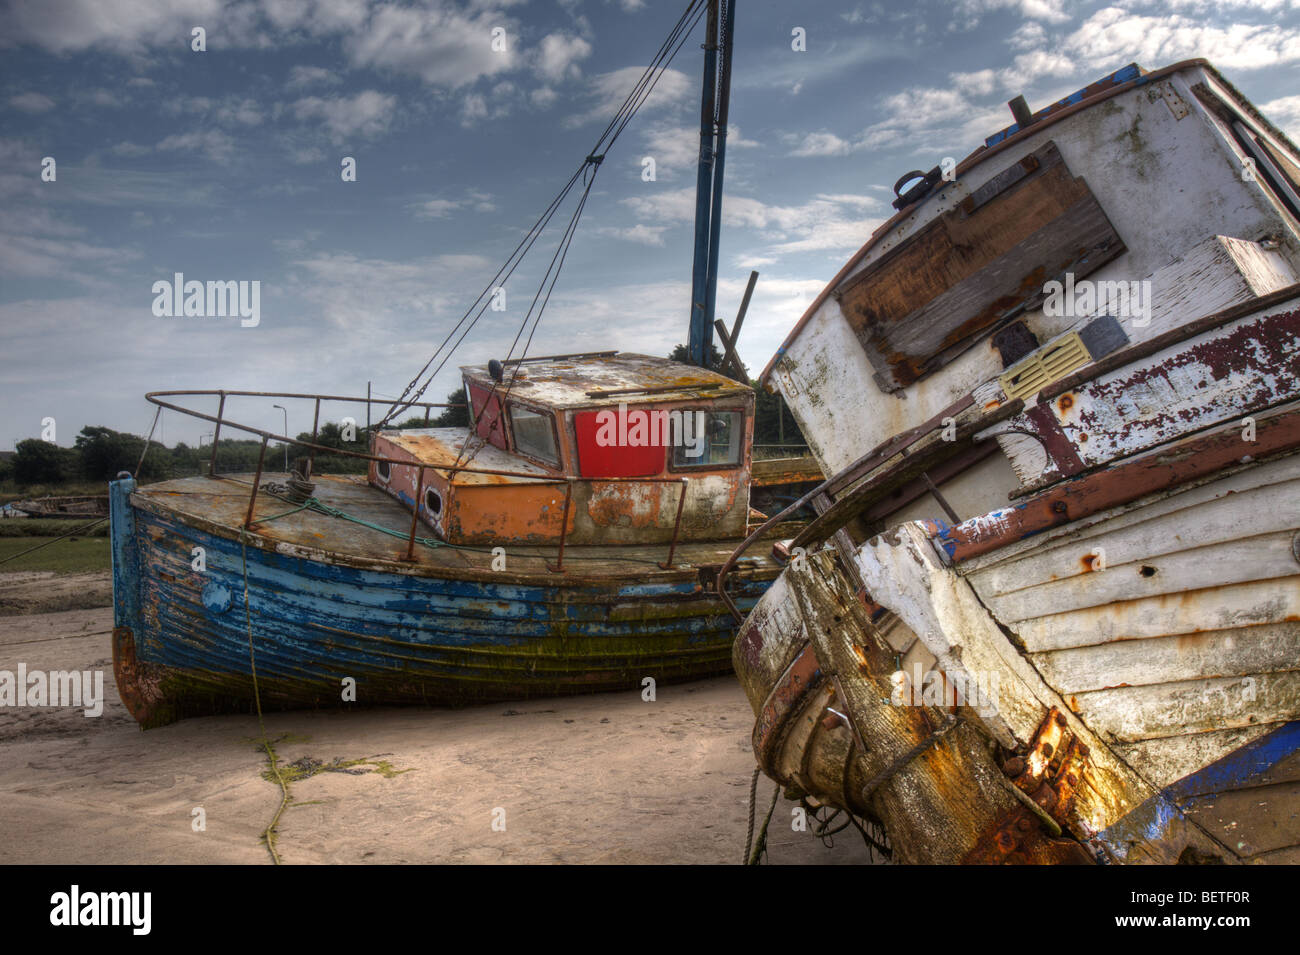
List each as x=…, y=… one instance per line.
x=622, y=436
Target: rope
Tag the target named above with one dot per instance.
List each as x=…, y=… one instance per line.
x=749, y=837
x=156, y=415
x=884, y=775
x=268, y=834
x=760, y=846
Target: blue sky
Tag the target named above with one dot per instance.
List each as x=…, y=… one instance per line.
x=225, y=165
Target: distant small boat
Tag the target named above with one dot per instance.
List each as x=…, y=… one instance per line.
x=1050, y=608
x=69, y=506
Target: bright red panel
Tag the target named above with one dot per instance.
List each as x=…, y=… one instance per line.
x=596, y=459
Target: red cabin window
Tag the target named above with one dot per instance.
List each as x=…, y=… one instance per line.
x=606, y=448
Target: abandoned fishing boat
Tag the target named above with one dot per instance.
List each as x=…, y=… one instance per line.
x=567, y=540
x=70, y=506
x=1049, y=610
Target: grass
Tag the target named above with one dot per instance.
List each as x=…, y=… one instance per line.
x=49, y=527
x=11, y=491
x=73, y=556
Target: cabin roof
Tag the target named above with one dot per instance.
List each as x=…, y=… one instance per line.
x=443, y=448
x=607, y=379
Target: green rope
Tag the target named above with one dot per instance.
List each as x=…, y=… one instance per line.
x=268, y=834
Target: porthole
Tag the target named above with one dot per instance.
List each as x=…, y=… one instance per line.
x=384, y=470
x=433, y=501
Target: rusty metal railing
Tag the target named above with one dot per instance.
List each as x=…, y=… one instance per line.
x=156, y=398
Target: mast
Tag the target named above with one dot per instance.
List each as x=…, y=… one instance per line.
x=714, y=103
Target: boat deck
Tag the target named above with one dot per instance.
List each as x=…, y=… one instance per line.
x=219, y=505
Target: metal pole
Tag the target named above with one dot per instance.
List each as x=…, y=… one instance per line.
x=252, y=498
x=415, y=516
x=719, y=162
x=216, y=436
x=286, y=434
x=701, y=323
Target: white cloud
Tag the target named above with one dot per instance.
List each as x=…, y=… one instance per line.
x=825, y=222
x=213, y=143
x=822, y=144
x=443, y=45
x=608, y=91
x=31, y=102
x=1284, y=112
x=366, y=114
x=442, y=208
x=967, y=13
x=558, y=56
x=301, y=77
x=640, y=233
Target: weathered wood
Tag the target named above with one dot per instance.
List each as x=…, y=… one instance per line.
x=1252, y=821
x=928, y=297
x=1166, y=760
x=1224, y=373
x=1211, y=653
x=1130, y=713
x=936, y=807
x=1236, y=561
x=1194, y=458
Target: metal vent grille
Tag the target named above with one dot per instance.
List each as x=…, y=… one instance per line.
x=1049, y=363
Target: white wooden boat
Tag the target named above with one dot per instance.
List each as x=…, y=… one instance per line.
x=1050, y=610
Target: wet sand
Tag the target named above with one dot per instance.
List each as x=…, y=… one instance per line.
x=608, y=778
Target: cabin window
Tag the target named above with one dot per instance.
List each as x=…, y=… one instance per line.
x=384, y=471
x=605, y=452
x=534, y=433
x=709, y=439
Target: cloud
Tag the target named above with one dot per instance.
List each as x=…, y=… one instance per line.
x=31, y=102
x=1285, y=112
x=968, y=13
x=442, y=45
x=640, y=233
x=558, y=56
x=213, y=143
x=825, y=222
x=607, y=91
x=366, y=114
x=822, y=144
x=441, y=208
x=301, y=77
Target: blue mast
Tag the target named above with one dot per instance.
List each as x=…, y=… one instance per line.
x=708, y=184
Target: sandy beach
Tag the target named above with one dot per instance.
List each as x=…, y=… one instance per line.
x=597, y=779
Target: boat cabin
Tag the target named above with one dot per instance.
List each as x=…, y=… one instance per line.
x=603, y=448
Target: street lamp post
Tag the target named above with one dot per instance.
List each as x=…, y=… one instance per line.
x=286, y=434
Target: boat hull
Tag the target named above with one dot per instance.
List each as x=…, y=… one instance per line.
x=322, y=630
x=1151, y=648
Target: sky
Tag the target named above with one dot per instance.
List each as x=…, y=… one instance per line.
x=225, y=164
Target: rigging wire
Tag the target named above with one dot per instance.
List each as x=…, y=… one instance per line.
x=586, y=172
